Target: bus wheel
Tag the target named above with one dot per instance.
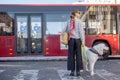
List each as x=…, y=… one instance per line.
x=107, y=53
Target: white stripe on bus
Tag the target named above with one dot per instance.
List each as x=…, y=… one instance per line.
x=33, y=75
x=107, y=75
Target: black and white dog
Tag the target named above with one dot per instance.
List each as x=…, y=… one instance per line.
x=92, y=55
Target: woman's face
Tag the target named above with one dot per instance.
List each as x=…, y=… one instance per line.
x=77, y=15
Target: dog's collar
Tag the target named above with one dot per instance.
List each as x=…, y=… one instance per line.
x=94, y=51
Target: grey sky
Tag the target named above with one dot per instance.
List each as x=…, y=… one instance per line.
x=37, y=1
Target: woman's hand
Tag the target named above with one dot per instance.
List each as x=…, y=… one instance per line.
x=83, y=44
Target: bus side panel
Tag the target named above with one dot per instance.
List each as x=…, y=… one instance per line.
x=52, y=46
x=6, y=46
x=114, y=44
x=112, y=39
x=89, y=39
x=52, y=43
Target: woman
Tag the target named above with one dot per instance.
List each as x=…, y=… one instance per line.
x=76, y=38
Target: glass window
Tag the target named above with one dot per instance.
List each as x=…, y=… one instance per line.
x=36, y=31
x=56, y=23
x=36, y=34
x=22, y=26
x=22, y=34
x=6, y=24
x=101, y=20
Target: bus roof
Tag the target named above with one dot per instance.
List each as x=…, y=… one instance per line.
x=59, y=4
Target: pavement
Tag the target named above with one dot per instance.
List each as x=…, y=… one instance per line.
x=34, y=58
x=57, y=70
x=44, y=58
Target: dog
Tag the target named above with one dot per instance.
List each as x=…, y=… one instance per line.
x=92, y=55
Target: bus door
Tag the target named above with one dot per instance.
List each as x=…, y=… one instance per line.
x=22, y=34
x=29, y=34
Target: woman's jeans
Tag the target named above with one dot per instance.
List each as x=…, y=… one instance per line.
x=74, y=55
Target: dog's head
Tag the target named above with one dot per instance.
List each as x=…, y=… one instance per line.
x=101, y=48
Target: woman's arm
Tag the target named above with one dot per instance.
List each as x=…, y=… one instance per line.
x=82, y=32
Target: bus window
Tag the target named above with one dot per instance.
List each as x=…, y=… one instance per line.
x=56, y=23
x=6, y=24
x=100, y=19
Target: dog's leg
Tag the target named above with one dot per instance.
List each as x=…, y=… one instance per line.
x=92, y=64
x=91, y=68
x=86, y=66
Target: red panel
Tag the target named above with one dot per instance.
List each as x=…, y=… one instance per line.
x=52, y=46
x=112, y=39
x=6, y=46
x=52, y=43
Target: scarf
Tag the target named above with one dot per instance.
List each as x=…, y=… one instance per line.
x=72, y=26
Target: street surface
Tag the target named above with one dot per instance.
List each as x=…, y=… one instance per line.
x=56, y=70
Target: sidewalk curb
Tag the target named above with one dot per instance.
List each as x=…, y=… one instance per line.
x=114, y=57
x=35, y=58
x=44, y=58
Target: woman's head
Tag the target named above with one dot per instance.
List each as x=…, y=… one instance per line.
x=72, y=17
x=76, y=13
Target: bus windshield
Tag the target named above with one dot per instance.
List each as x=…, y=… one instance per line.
x=6, y=24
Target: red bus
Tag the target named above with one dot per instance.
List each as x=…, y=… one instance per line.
x=35, y=30
x=101, y=26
